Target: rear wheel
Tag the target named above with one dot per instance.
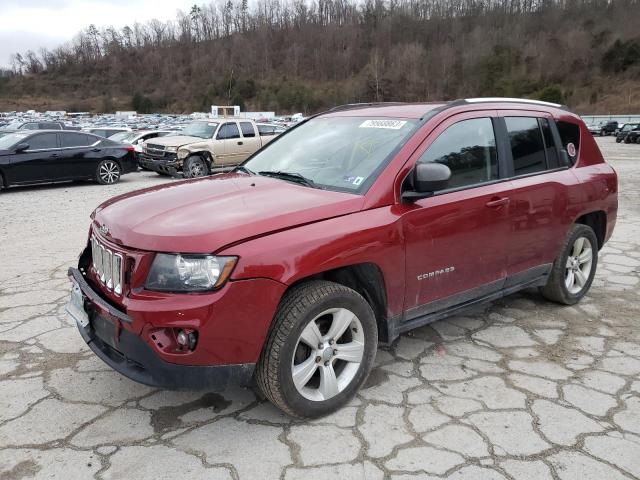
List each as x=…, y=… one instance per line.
x=195, y=166
x=573, y=271
x=108, y=172
x=319, y=351
x=603, y=132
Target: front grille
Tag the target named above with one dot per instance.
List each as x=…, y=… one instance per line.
x=154, y=150
x=107, y=265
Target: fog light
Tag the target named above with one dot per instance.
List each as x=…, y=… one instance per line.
x=187, y=338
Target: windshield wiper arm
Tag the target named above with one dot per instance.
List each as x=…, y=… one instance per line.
x=292, y=176
x=242, y=168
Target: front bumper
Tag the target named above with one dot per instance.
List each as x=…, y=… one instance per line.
x=130, y=355
x=167, y=166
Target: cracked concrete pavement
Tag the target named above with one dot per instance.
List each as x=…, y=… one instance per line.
x=519, y=389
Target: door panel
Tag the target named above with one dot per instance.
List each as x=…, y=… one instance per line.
x=456, y=240
x=229, y=135
x=539, y=206
x=40, y=162
x=250, y=139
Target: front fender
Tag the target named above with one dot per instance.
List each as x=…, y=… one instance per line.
x=371, y=236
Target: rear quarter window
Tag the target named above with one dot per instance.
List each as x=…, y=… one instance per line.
x=569, y=134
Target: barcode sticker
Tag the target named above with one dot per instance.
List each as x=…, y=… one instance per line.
x=389, y=124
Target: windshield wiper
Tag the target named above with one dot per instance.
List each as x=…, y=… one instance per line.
x=242, y=168
x=292, y=176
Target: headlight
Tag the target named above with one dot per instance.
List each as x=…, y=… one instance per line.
x=183, y=153
x=171, y=149
x=188, y=273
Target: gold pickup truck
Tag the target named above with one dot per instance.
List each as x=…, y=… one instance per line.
x=205, y=147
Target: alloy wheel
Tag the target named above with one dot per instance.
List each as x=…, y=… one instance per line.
x=328, y=354
x=578, y=267
x=109, y=172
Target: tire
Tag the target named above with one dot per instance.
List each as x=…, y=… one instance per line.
x=618, y=140
x=2, y=187
x=603, y=133
x=627, y=139
x=569, y=289
x=195, y=166
x=108, y=172
x=328, y=382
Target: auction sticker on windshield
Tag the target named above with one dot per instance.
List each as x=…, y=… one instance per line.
x=389, y=124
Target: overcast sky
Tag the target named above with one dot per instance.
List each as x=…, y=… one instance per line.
x=31, y=24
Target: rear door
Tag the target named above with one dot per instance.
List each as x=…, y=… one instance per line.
x=41, y=161
x=77, y=153
x=250, y=141
x=456, y=240
x=540, y=195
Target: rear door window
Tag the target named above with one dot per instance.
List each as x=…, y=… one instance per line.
x=549, y=144
x=527, y=146
x=247, y=129
x=71, y=140
x=43, y=141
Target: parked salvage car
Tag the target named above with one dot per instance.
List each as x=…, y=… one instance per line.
x=603, y=128
x=138, y=137
x=204, y=147
x=106, y=132
x=625, y=130
x=355, y=226
x=633, y=136
x=35, y=125
x=46, y=156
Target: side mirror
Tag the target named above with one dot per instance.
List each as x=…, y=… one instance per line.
x=21, y=147
x=428, y=178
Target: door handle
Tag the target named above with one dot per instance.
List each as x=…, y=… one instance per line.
x=497, y=202
x=95, y=149
x=53, y=155
x=239, y=143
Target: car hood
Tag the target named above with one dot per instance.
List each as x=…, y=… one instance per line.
x=205, y=215
x=174, y=141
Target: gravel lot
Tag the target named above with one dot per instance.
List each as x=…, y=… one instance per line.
x=521, y=389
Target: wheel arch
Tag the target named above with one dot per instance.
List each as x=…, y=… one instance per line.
x=365, y=278
x=597, y=220
x=206, y=154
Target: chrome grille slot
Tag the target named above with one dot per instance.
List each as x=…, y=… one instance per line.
x=107, y=265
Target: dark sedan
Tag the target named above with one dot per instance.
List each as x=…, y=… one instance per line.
x=28, y=157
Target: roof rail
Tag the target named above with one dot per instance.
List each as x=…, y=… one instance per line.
x=354, y=106
x=509, y=99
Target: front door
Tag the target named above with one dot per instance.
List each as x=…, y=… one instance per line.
x=456, y=239
x=41, y=161
x=229, y=135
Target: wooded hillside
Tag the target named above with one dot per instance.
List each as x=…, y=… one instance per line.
x=305, y=56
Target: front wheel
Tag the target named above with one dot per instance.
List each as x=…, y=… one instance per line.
x=319, y=351
x=108, y=172
x=195, y=166
x=573, y=271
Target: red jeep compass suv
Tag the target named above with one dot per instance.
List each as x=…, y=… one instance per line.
x=356, y=225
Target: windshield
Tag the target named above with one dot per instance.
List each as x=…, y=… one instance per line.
x=339, y=153
x=9, y=140
x=200, y=129
x=628, y=127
